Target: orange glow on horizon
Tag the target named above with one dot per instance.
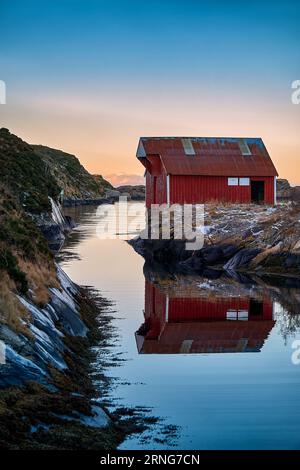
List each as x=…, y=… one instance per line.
x=104, y=134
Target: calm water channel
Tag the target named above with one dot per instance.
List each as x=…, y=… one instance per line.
x=212, y=357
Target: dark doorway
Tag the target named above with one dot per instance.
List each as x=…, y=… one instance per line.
x=255, y=308
x=257, y=191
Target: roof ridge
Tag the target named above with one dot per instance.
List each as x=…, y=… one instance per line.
x=200, y=137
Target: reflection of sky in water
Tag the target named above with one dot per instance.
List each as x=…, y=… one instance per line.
x=232, y=400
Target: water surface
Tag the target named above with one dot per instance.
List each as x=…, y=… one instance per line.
x=211, y=356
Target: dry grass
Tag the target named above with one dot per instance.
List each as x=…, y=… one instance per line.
x=12, y=312
x=40, y=278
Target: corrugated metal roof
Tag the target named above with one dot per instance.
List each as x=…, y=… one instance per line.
x=218, y=156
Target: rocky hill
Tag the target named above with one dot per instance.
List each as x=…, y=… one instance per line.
x=102, y=182
x=24, y=173
x=285, y=192
x=27, y=210
x=47, y=323
x=34, y=172
x=25, y=259
x=70, y=175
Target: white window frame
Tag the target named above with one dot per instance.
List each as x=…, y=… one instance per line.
x=232, y=181
x=244, y=181
x=231, y=315
x=242, y=315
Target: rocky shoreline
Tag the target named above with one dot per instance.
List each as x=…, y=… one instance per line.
x=73, y=202
x=53, y=405
x=253, y=239
x=47, y=396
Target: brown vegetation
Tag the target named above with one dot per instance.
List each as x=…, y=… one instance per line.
x=12, y=312
x=40, y=277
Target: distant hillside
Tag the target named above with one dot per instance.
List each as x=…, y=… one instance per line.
x=70, y=175
x=137, y=193
x=24, y=173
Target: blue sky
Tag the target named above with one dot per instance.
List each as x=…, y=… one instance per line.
x=75, y=39
x=76, y=62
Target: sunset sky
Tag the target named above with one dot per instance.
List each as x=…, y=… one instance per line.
x=90, y=77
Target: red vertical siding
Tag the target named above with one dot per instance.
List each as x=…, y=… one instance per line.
x=156, y=189
x=202, y=189
x=148, y=189
x=198, y=308
x=201, y=309
x=193, y=309
x=267, y=309
x=155, y=310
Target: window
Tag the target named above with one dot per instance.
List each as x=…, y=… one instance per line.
x=188, y=146
x=233, y=181
x=244, y=181
x=244, y=148
x=242, y=315
x=231, y=315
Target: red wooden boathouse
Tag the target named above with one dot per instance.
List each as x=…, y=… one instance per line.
x=191, y=170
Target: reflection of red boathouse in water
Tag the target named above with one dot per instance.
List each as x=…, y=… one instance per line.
x=180, y=324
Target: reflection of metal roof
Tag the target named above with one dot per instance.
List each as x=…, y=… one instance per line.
x=216, y=156
x=211, y=337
